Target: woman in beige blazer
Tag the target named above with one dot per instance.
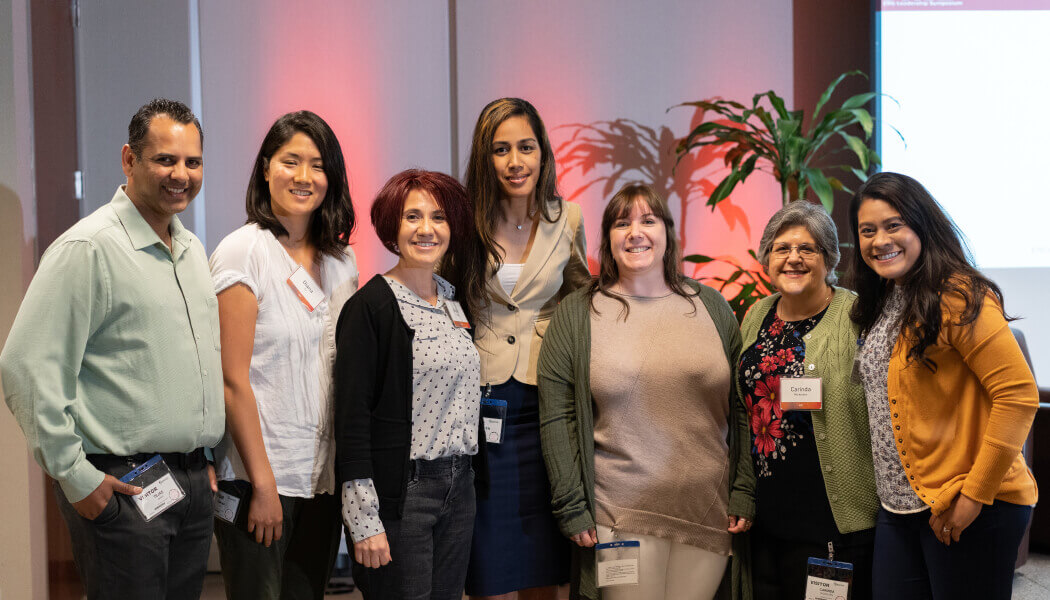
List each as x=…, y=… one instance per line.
x=535, y=248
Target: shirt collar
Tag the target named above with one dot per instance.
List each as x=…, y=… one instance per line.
x=445, y=291
x=139, y=231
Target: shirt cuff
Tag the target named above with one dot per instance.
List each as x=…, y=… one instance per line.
x=83, y=479
x=361, y=509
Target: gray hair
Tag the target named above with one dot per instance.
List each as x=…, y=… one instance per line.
x=819, y=224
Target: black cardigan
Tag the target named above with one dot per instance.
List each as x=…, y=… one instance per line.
x=373, y=397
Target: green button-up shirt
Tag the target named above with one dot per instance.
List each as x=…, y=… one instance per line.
x=115, y=348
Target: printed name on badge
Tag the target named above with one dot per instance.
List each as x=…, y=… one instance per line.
x=226, y=506
x=160, y=491
x=801, y=393
x=310, y=294
x=455, y=312
x=617, y=563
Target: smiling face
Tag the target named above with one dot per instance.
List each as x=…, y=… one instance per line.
x=167, y=176
x=887, y=244
x=638, y=241
x=424, y=234
x=296, y=177
x=796, y=263
x=516, y=157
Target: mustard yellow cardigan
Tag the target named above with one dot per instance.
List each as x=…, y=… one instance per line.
x=961, y=428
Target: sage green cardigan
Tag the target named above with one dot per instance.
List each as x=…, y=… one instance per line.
x=840, y=428
x=567, y=432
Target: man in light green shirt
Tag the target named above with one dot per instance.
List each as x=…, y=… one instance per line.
x=114, y=357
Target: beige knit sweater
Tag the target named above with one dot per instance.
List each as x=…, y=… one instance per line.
x=660, y=383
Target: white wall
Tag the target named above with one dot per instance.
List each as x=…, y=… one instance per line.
x=127, y=53
x=23, y=553
x=377, y=72
x=594, y=61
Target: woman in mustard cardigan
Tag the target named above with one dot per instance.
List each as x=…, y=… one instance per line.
x=950, y=401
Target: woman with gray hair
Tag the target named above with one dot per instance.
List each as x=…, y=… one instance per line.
x=810, y=442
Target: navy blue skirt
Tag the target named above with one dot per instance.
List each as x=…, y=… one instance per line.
x=517, y=544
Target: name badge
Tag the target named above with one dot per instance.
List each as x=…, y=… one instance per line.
x=828, y=579
x=801, y=393
x=455, y=312
x=617, y=563
x=306, y=288
x=493, y=417
x=226, y=506
x=160, y=491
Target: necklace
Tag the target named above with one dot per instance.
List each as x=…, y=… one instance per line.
x=528, y=219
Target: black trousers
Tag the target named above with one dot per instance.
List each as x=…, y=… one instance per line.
x=121, y=556
x=778, y=566
x=297, y=566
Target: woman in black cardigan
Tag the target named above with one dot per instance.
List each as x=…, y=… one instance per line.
x=408, y=400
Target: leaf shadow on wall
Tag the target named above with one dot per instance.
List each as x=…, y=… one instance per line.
x=610, y=154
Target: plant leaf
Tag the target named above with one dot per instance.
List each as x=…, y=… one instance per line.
x=858, y=101
x=858, y=148
x=831, y=90
x=698, y=258
x=820, y=185
x=865, y=120
x=723, y=189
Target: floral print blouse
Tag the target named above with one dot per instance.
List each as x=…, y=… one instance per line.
x=790, y=498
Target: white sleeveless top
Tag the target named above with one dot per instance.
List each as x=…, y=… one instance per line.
x=508, y=275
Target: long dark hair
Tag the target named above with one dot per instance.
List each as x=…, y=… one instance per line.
x=619, y=207
x=944, y=266
x=333, y=221
x=483, y=182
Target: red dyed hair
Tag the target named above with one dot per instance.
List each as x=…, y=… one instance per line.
x=449, y=194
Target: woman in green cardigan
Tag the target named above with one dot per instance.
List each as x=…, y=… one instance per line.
x=815, y=481
x=643, y=433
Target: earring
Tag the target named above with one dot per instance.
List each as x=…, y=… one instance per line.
x=396, y=249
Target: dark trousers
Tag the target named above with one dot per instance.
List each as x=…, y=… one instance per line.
x=430, y=544
x=295, y=567
x=911, y=564
x=119, y=555
x=778, y=566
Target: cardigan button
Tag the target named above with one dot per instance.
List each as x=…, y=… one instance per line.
x=894, y=401
x=901, y=441
x=894, y=415
x=510, y=340
x=834, y=497
x=823, y=436
x=811, y=366
x=897, y=427
x=827, y=468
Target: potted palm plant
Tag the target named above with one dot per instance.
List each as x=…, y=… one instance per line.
x=767, y=137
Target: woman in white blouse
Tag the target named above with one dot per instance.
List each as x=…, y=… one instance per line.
x=408, y=402
x=281, y=280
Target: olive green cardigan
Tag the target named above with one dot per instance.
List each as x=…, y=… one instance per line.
x=840, y=428
x=567, y=432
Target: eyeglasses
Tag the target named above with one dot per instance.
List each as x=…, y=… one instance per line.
x=805, y=251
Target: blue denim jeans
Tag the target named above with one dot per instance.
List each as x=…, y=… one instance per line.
x=430, y=544
x=910, y=563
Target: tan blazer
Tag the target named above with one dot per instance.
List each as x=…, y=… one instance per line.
x=509, y=339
